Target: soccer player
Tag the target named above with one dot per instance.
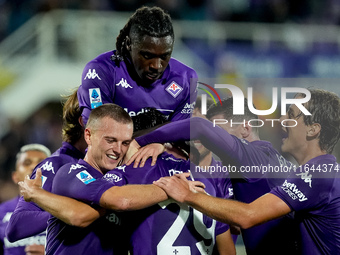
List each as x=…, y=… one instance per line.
x=27, y=158
x=140, y=73
x=237, y=146
x=312, y=191
x=28, y=219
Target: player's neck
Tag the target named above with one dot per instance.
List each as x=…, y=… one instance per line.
x=307, y=153
x=81, y=145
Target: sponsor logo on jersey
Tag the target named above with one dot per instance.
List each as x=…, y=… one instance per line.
x=292, y=190
x=95, y=97
x=113, y=218
x=92, y=74
x=174, y=89
x=85, y=177
x=133, y=113
x=174, y=171
x=112, y=177
x=122, y=168
x=7, y=217
x=48, y=167
x=306, y=177
x=124, y=84
x=188, y=108
x=231, y=192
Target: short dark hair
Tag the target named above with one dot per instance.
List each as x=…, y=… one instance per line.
x=72, y=130
x=150, y=118
x=112, y=111
x=151, y=21
x=325, y=109
x=226, y=109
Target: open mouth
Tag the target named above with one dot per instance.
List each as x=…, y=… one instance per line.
x=112, y=156
x=284, y=134
x=152, y=76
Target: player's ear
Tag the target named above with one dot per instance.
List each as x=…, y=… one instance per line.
x=313, y=130
x=128, y=43
x=87, y=136
x=245, y=131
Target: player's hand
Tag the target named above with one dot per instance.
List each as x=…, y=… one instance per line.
x=35, y=249
x=150, y=150
x=194, y=186
x=176, y=187
x=29, y=186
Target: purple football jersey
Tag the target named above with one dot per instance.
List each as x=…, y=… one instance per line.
x=17, y=247
x=167, y=227
x=28, y=219
x=313, y=193
x=248, y=185
x=103, y=81
x=104, y=236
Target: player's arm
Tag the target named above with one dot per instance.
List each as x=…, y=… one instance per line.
x=225, y=244
x=244, y=215
x=76, y=213
x=214, y=138
x=132, y=197
x=64, y=208
x=27, y=220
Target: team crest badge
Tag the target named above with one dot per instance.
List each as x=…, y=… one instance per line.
x=174, y=89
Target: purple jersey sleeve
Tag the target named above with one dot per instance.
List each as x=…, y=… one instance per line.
x=21, y=227
x=77, y=181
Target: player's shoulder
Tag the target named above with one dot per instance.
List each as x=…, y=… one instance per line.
x=74, y=167
x=53, y=163
x=179, y=67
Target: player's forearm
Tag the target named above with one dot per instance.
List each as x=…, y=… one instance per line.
x=24, y=224
x=223, y=210
x=132, y=197
x=68, y=210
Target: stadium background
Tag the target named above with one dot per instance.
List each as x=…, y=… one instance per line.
x=45, y=44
